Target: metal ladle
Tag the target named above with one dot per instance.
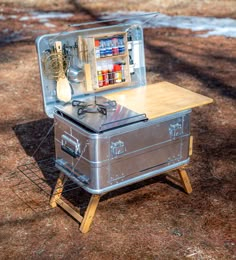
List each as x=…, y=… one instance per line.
x=74, y=73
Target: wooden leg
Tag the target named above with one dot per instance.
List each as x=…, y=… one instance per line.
x=89, y=214
x=185, y=180
x=190, y=152
x=58, y=190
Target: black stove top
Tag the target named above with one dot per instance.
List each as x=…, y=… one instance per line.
x=94, y=107
x=100, y=114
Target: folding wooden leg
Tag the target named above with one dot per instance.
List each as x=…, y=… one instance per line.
x=185, y=180
x=89, y=214
x=58, y=190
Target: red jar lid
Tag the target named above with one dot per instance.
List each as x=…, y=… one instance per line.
x=117, y=67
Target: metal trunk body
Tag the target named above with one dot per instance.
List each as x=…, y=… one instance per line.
x=101, y=162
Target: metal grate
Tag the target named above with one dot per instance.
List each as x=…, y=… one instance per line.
x=33, y=184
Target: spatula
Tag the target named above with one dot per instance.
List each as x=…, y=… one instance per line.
x=63, y=86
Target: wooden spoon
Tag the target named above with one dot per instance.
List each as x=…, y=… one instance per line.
x=63, y=86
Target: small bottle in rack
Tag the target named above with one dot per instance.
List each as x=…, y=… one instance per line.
x=100, y=77
x=105, y=74
x=115, y=49
x=108, y=47
x=110, y=73
x=118, y=73
x=102, y=49
x=97, y=48
x=121, y=45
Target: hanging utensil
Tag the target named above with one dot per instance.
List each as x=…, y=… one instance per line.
x=83, y=56
x=63, y=86
x=87, y=67
x=74, y=72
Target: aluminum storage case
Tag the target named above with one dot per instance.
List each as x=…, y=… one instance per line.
x=115, y=147
x=101, y=162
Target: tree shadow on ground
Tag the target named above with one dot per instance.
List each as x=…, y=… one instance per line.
x=164, y=57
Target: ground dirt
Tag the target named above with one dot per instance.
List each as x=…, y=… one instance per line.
x=153, y=219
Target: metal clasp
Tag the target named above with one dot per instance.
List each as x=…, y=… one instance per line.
x=175, y=130
x=117, y=148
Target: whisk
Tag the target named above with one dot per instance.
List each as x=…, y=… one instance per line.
x=54, y=64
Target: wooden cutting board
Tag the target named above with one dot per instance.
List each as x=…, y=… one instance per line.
x=159, y=99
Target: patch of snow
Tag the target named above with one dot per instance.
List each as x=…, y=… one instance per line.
x=43, y=20
x=227, y=32
x=50, y=15
x=24, y=18
x=214, y=26
x=13, y=16
x=49, y=25
x=39, y=16
x=44, y=17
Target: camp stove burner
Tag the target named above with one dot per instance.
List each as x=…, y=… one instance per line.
x=85, y=107
x=99, y=114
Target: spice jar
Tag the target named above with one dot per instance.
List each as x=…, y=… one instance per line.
x=118, y=73
x=110, y=73
x=100, y=77
x=115, y=49
x=102, y=48
x=108, y=47
x=105, y=75
x=121, y=45
x=97, y=48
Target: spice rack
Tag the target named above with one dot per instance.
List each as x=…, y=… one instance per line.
x=108, y=69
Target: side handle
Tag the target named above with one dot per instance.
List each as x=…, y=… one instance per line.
x=70, y=145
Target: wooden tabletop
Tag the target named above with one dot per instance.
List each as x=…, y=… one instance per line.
x=159, y=99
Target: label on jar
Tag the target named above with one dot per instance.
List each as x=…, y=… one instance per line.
x=105, y=77
x=97, y=51
x=118, y=77
x=100, y=79
x=131, y=68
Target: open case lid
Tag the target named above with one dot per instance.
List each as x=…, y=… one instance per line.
x=74, y=64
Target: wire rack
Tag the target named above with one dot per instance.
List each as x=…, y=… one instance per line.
x=33, y=183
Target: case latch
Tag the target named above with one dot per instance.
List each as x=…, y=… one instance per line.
x=117, y=148
x=175, y=130
x=70, y=145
